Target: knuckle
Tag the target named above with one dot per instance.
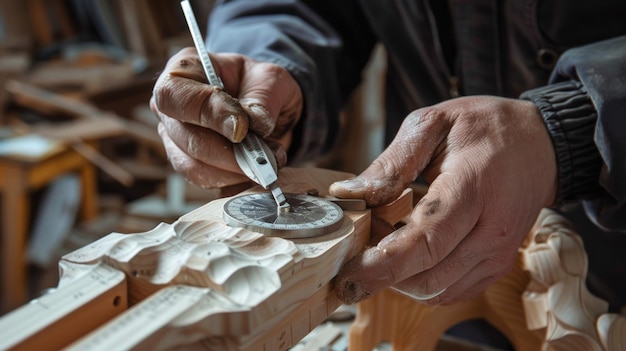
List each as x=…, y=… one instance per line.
x=383, y=165
x=426, y=117
x=271, y=68
x=431, y=241
x=193, y=145
x=162, y=92
x=392, y=173
x=467, y=256
x=433, y=249
x=426, y=125
x=205, y=112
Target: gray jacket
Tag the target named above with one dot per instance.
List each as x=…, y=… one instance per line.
x=568, y=57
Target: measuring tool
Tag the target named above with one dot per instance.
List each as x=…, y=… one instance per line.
x=290, y=216
x=254, y=157
x=309, y=215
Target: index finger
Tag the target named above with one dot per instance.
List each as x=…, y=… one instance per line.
x=182, y=92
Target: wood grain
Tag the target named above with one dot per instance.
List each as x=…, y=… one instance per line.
x=198, y=283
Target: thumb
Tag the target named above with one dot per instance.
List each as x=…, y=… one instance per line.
x=411, y=150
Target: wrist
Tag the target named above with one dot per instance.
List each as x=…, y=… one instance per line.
x=570, y=118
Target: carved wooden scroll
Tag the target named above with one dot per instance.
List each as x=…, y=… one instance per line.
x=197, y=284
x=556, y=301
x=541, y=304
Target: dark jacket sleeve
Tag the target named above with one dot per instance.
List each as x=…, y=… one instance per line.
x=323, y=45
x=584, y=108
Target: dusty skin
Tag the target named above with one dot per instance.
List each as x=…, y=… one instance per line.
x=213, y=108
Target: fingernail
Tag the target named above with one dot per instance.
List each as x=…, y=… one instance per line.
x=262, y=122
x=233, y=130
x=258, y=111
x=230, y=127
x=351, y=184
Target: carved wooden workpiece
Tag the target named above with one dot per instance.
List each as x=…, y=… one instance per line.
x=556, y=301
x=202, y=284
x=541, y=304
x=199, y=284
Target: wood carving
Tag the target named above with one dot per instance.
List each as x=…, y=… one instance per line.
x=541, y=304
x=199, y=284
x=557, y=301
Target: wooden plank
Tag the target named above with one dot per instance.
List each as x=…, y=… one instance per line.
x=81, y=129
x=95, y=295
x=48, y=102
x=88, y=79
x=104, y=163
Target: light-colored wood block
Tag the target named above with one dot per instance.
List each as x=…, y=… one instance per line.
x=200, y=284
x=95, y=295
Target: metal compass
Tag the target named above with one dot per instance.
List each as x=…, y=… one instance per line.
x=309, y=216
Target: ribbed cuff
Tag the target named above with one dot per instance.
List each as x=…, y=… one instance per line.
x=571, y=119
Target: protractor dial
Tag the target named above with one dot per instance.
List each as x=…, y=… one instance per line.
x=309, y=216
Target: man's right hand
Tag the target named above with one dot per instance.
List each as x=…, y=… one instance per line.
x=199, y=122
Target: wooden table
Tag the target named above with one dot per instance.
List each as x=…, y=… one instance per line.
x=18, y=177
